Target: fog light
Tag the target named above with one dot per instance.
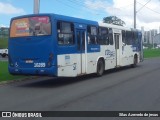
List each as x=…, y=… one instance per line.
x=11, y=64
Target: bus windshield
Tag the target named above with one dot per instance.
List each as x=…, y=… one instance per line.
x=30, y=26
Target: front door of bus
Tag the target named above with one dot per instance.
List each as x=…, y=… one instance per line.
x=81, y=47
x=116, y=38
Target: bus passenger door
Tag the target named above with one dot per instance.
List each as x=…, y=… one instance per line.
x=81, y=47
x=117, y=50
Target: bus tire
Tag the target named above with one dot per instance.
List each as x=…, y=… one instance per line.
x=100, y=67
x=135, y=61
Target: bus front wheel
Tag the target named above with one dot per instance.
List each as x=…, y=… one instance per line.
x=100, y=67
x=4, y=55
x=135, y=61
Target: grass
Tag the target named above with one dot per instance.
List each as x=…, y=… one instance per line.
x=4, y=74
x=151, y=53
x=3, y=42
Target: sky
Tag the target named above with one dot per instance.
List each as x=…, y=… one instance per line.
x=148, y=11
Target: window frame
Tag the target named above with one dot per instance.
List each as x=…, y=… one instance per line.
x=63, y=33
x=135, y=38
x=129, y=37
x=92, y=38
x=104, y=41
x=111, y=41
x=124, y=37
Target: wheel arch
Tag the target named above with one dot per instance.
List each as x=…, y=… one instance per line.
x=101, y=58
x=136, y=57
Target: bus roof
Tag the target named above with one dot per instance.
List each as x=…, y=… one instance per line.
x=73, y=19
x=61, y=17
x=116, y=26
x=77, y=20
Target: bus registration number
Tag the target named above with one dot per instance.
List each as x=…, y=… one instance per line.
x=39, y=65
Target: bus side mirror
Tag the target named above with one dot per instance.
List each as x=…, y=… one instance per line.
x=124, y=44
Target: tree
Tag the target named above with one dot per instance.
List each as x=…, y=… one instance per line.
x=113, y=20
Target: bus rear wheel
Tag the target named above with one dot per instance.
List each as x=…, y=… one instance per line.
x=100, y=67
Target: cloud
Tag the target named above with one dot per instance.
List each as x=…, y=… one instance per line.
x=6, y=8
x=147, y=16
x=2, y=25
x=96, y=5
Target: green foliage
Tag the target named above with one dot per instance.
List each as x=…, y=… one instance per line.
x=4, y=33
x=113, y=20
x=4, y=74
x=150, y=53
x=3, y=42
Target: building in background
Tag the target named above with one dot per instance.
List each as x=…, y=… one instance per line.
x=142, y=29
x=154, y=32
x=147, y=37
x=150, y=36
x=157, y=39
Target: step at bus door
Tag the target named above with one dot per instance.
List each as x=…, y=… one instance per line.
x=117, y=43
x=81, y=46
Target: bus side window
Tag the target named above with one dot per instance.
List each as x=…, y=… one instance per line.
x=103, y=36
x=65, y=32
x=124, y=37
x=92, y=35
x=128, y=37
x=135, y=38
x=110, y=36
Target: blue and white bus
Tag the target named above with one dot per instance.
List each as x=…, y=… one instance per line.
x=56, y=45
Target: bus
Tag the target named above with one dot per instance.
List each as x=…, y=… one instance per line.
x=63, y=46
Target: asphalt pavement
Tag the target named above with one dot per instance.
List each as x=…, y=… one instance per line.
x=125, y=89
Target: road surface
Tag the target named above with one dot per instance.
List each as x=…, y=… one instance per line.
x=125, y=89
